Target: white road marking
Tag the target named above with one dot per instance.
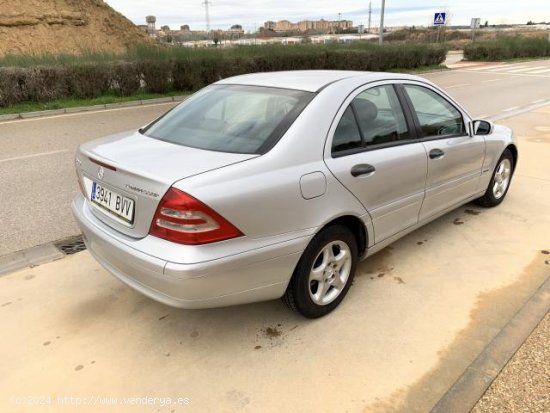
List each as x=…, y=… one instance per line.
x=538, y=101
x=526, y=74
x=510, y=109
x=458, y=85
x=490, y=80
x=483, y=68
x=527, y=69
x=482, y=116
x=35, y=155
x=506, y=68
x=536, y=72
x=498, y=66
x=88, y=112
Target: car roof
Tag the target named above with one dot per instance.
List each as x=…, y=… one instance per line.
x=308, y=80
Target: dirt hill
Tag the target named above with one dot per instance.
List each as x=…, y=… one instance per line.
x=64, y=26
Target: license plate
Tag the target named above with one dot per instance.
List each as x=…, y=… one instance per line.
x=115, y=204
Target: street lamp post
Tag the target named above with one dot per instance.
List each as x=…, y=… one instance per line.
x=381, y=35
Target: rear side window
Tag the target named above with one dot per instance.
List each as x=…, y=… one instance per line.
x=232, y=118
x=437, y=117
x=374, y=117
x=380, y=116
x=347, y=134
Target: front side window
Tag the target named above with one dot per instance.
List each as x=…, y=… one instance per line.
x=373, y=118
x=436, y=115
x=231, y=118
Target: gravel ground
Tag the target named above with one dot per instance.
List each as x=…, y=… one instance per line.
x=523, y=385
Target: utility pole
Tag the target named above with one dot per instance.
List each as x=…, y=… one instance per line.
x=370, y=15
x=206, y=4
x=339, y=20
x=381, y=35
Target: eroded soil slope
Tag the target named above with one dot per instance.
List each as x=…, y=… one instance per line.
x=64, y=26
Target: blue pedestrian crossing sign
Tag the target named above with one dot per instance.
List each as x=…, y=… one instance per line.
x=439, y=19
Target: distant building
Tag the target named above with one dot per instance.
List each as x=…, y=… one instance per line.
x=270, y=25
x=305, y=25
x=236, y=29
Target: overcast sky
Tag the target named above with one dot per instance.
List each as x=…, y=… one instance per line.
x=251, y=13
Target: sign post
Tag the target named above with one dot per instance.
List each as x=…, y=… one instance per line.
x=439, y=20
x=474, y=25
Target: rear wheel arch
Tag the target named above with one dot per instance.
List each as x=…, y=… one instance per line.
x=356, y=226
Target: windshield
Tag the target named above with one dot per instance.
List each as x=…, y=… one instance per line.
x=231, y=118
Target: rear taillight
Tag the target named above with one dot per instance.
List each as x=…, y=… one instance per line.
x=184, y=219
x=78, y=164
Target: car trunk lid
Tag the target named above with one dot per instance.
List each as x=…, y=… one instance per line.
x=129, y=173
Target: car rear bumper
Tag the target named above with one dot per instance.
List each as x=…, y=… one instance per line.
x=255, y=275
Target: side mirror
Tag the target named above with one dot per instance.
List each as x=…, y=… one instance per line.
x=482, y=127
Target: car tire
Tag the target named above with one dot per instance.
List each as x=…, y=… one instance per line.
x=500, y=181
x=324, y=273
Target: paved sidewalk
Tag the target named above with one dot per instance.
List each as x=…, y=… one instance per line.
x=524, y=384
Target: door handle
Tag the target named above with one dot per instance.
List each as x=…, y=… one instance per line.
x=362, y=169
x=436, y=154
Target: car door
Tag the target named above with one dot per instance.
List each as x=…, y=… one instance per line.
x=374, y=152
x=455, y=157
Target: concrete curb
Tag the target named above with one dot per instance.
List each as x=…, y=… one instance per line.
x=56, y=112
x=478, y=376
x=31, y=257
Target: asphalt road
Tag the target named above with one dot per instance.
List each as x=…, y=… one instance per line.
x=37, y=181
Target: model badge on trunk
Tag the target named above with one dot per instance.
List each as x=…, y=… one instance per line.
x=100, y=172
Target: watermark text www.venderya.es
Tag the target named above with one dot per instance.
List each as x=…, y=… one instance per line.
x=96, y=400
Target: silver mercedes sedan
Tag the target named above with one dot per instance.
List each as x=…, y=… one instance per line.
x=274, y=185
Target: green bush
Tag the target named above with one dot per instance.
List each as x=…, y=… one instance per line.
x=46, y=83
x=163, y=70
x=125, y=78
x=156, y=76
x=188, y=74
x=88, y=81
x=11, y=81
x=507, y=48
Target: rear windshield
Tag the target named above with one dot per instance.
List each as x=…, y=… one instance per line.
x=231, y=118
